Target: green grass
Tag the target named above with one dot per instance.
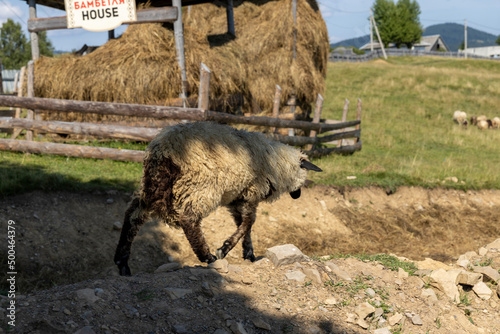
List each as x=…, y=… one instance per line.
x=408, y=135
x=407, y=131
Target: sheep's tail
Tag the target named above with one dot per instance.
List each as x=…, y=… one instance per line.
x=134, y=219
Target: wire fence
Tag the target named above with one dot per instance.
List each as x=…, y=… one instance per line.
x=337, y=57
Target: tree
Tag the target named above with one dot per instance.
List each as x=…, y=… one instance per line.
x=398, y=23
x=498, y=40
x=15, y=49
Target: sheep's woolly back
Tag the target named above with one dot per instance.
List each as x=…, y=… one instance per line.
x=459, y=117
x=219, y=164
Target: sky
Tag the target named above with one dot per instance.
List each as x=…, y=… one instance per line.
x=345, y=19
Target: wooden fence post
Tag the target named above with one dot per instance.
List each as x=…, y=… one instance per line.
x=276, y=105
x=317, y=117
x=17, y=114
x=344, y=117
x=31, y=93
x=358, y=118
x=204, y=91
x=179, y=45
x=1, y=80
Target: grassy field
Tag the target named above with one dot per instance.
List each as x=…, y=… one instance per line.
x=407, y=132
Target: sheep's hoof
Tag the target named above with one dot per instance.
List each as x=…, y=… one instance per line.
x=123, y=267
x=211, y=259
x=250, y=257
x=219, y=254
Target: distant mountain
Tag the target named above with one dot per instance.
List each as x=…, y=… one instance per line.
x=451, y=33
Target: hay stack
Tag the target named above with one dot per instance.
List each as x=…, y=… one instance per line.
x=141, y=66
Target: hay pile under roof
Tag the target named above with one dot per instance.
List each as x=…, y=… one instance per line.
x=141, y=66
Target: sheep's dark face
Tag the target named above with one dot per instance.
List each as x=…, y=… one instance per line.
x=304, y=164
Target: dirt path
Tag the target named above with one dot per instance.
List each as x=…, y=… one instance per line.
x=64, y=238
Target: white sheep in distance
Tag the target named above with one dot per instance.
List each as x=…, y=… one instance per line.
x=460, y=117
x=191, y=169
x=495, y=122
x=483, y=124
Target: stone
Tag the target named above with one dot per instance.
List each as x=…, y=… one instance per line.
x=370, y=292
x=498, y=290
x=330, y=301
x=237, y=327
x=168, y=267
x=85, y=330
x=117, y=226
x=175, y=293
x=482, y=251
x=489, y=274
x=402, y=274
x=378, y=313
x=88, y=295
x=430, y=295
x=341, y=274
x=395, y=319
x=416, y=320
x=482, y=291
x=363, y=310
x=351, y=318
x=220, y=265
x=431, y=264
x=446, y=282
x=363, y=324
x=384, y=330
x=468, y=278
x=220, y=331
x=180, y=329
x=259, y=323
x=493, y=246
x=285, y=254
x=296, y=275
x=313, y=275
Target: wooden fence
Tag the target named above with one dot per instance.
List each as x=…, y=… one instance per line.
x=336, y=57
x=341, y=130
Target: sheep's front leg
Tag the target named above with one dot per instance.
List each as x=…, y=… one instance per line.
x=244, y=214
x=192, y=229
x=134, y=219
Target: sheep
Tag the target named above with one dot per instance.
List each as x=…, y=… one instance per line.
x=191, y=169
x=495, y=122
x=460, y=117
x=483, y=125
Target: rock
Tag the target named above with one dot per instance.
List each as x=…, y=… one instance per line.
x=429, y=294
x=338, y=272
x=489, y=274
x=363, y=324
x=416, y=320
x=378, y=312
x=395, y=319
x=402, y=274
x=88, y=295
x=180, y=329
x=351, y=318
x=482, y=291
x=117, y=226
x=370, y=292
x=110, y=201
x=285, y=254
x=384, y=330
x=493, y=246
x=168, y=267
x=296, y=275
x=237, y=328
x=431, y=264
x=313, y=275
x=482, y=251
x=259, y=323
x=175, y=293
x=468, y=278
x=330, y=301
x=85, y=330
x=363, y=310
x=220, y=331
x=446, y=282
x=498, y=290
x=220, y=265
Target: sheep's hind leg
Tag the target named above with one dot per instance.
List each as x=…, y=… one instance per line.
x=192, y=229
x=244, y=215
x=134, y=219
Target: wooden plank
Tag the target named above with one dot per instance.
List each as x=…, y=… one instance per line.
x=179, y=47
x=22, y=74
x=348, y=149
x=358, y=117
x=162, y=112
x=301, y=141
x=150, y=15
x=31, y=93
x=90, y=129
x=317, y=117
x=344, y=117
x=204, y=90
x=35, y=48
x=276, y=104
x=78, y=151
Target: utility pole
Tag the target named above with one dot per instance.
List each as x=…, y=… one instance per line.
x=378, y=35
x=465, y=39
x=371, y=34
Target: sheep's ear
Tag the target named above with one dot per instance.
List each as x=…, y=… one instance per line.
x=295, y=194
x=309, y=166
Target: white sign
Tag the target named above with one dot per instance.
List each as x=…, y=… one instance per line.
x=99, y=15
